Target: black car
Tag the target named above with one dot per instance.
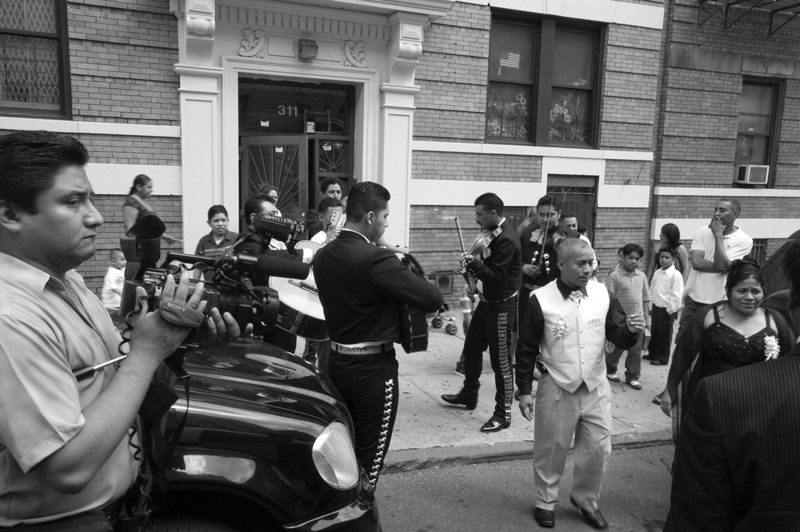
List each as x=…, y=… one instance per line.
x=267, y=442
x=267, y=445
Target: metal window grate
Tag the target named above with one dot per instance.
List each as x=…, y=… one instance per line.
x=33, y=57
x=759, y=251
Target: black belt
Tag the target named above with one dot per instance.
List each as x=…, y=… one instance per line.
x=484, y=300
x=365, y=350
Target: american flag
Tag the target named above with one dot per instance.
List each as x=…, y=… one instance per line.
x=511, y=61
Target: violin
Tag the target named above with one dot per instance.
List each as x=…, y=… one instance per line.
x=478, y=246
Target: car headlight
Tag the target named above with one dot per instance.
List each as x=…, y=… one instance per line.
x=335, y=457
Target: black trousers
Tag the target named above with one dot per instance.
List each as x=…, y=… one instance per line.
x=660, y=334
x=690, y=307
x=492, y=326
x=368, y=384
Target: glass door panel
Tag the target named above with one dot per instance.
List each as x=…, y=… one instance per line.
x=279, y=162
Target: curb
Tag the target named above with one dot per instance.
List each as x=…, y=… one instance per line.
x=418, y=459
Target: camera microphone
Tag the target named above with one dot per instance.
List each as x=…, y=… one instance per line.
x=271, y=266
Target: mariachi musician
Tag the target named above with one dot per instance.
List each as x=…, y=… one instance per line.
x=539, y=241
x=494, y=261
x=364, y=290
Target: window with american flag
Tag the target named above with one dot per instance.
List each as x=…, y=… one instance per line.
x=542, y=81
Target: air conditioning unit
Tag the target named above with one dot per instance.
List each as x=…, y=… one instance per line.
x=751, y=174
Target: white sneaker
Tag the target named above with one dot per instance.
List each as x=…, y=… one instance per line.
x=613, y=377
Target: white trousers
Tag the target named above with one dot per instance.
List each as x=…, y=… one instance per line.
x=559, y=416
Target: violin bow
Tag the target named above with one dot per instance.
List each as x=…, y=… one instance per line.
x=460, y=236
x=467, y=275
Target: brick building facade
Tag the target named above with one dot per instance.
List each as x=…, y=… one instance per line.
x=454, y=162
x=168, y=89
x=711, y=64
x=121, y=102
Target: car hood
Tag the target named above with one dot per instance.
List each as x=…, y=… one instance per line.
x=250, y=376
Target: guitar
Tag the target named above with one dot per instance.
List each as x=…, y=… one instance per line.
x=413, y=323
x=300, y=310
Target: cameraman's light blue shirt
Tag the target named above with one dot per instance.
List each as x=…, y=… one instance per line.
x=49, y=329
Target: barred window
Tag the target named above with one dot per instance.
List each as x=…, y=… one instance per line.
x=34, y=58
x=759, y=251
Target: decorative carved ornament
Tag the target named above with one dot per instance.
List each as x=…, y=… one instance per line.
x=200, y=26
x=411, y=51
x=252, y=44
x=355, y=54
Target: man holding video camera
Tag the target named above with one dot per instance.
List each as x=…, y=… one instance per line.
x=67, y=445
x=256, y=239
x=257, y=211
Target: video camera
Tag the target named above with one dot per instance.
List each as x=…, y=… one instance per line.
x=230, y=288
x=283, y=229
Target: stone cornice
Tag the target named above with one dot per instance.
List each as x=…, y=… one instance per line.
x=265, y=17
x=433, y=9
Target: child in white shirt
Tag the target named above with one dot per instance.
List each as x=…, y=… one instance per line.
x=114, y=281
x=666, y=292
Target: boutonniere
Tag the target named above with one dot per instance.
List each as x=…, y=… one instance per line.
x=560, y=329
x=771, y=348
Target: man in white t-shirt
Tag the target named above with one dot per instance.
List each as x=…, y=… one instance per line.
x=713, y=249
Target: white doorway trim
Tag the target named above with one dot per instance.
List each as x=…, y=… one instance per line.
x=367, y=132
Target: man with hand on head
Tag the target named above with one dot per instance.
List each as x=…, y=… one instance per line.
x=564, y=332
x=67, y=448
x=713, y=249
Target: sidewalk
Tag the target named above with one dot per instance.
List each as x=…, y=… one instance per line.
x=429, y=432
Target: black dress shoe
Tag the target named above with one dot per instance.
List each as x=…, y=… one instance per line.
x=647, y=357
x=593, y=518
x=545, y=518
x=657, y=362
x=459, y=399
x=657, y=400
x=495, y=424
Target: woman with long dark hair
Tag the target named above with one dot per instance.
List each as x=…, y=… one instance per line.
x=670, y=236
x=727, y=335
x=137, y=206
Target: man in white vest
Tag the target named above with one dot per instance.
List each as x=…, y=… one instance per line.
x=563, y=333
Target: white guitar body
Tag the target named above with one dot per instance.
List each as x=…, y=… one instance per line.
x=300, y=310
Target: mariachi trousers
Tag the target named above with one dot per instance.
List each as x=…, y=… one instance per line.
x=368, y=385
x=492, y=326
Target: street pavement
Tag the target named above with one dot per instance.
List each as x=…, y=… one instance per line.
x=498, y=496
x=429, y=432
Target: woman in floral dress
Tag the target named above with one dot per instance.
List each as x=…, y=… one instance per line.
x=727, y=335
